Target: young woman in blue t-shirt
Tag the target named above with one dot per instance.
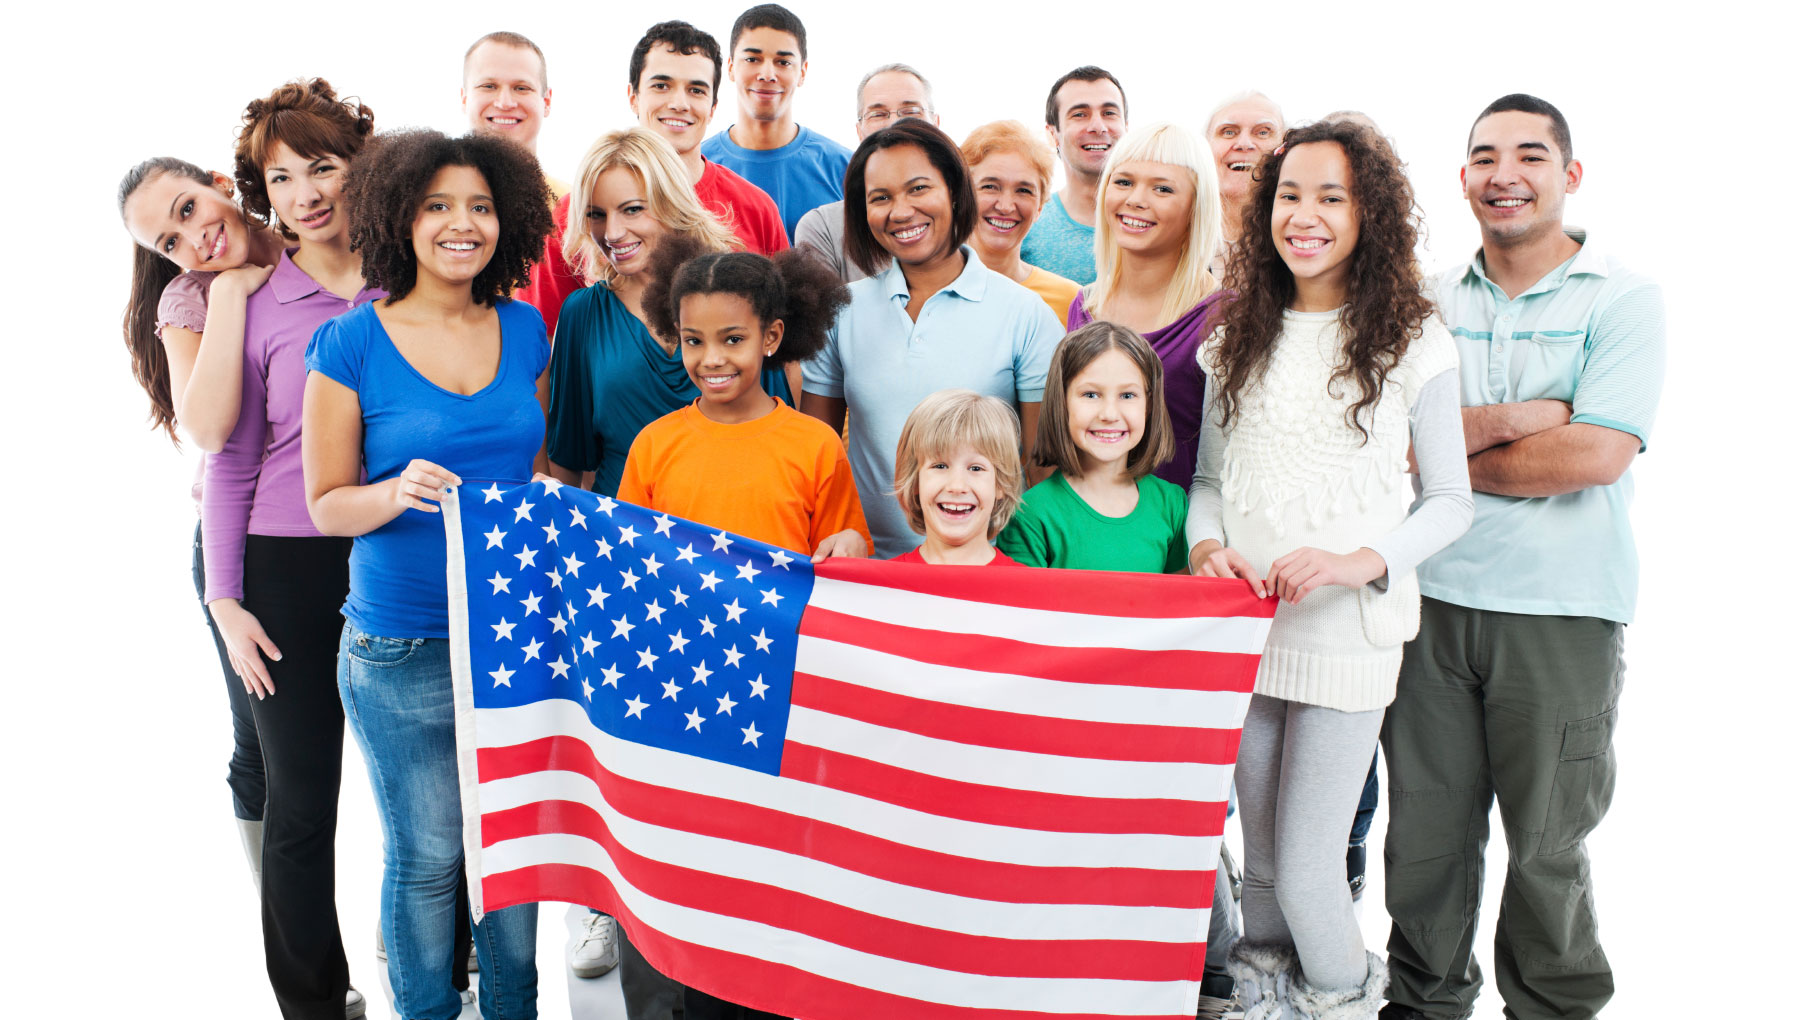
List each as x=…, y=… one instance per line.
x=442, y=380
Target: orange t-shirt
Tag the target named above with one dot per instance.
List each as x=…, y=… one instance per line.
x=783, y=478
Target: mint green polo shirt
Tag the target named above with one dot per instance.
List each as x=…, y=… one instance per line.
x=1590, y=332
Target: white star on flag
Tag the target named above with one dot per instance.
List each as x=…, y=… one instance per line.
x=663, y=523
x=552, y=487
x=603, y=548
x=751, y=735
x=635, y=707
x=493, y=493
x=763, y=641
x=597, y=596
x=687, y=555
x=646, y=659
x=628, y=579
x=610, y=675
x=502, y=677
x=721, y=542
x=732, y=655
x=693, y=720
x=757, y=687
x=502, y=629
x=550, y=532
x=607, y=505
x=495, y=538
x=651, y=564
x=733, y=611
x=499, y=583
x=627, y=535
x=558, y=624
x=532, y=649
x=573, y=565
x=559, y=667
x=522, y=512
x=586, y=689
x=652, y=613
x=677, y=643
x=725, y=704
x=771, y=597
x=708, y=581
x=747, y=572
x=707, y=627
x=588, y=643
x=530, y=602
x=700, y=673
x=579, y=519
x=526, y=558
x=622, y=627
x=670, y=689
x=555, y=578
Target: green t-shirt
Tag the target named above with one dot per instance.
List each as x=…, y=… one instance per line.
x=1054, y=527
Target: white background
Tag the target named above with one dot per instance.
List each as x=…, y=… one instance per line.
x=126, y=891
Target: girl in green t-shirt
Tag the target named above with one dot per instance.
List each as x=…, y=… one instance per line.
x=1104, y=428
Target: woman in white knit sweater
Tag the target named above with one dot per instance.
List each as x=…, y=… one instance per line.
x=1325, y=369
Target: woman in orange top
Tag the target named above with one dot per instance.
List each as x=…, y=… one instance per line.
x=738, y=458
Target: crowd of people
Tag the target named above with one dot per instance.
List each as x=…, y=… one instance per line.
x=1210, y=352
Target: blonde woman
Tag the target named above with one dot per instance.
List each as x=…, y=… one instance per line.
x=1158, y=225
x=609, y=374
x=1010, y=168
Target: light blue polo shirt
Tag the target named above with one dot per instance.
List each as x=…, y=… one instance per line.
x=1591, y=332
x=982, y=332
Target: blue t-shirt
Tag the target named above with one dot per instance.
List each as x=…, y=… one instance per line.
x=608, y=379
x=800, y=176
x=1059, y=244
x=397, y=586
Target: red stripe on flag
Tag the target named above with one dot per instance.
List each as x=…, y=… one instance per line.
x=1123, y=667
x=1150, y=596
x=759, y=984
x=842, y=847
x=997, y=805
x=874, y=934
x=1013, y=731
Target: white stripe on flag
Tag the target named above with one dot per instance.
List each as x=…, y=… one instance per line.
x=881, y=973
x=1001, y=767
x=1243, y=634
x=841, y=886
x=1005, y=692
x=504, y=727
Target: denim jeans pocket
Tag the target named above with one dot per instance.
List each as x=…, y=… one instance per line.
x=374, y=650
x=1584, y=779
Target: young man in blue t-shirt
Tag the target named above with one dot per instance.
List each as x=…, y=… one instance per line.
x=1085, y=116
x=799, y=168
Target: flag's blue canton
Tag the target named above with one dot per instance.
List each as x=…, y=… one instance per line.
x=668, y=633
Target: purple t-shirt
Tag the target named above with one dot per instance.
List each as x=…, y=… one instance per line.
x=1184, y=385
x=254, y=484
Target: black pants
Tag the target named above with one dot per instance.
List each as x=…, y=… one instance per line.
x=296, y=588
x=701, y=1006
x=243, y=773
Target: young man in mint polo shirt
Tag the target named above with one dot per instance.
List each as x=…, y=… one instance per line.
x=1511, y=688
x=1086, y=114
x=799, y=168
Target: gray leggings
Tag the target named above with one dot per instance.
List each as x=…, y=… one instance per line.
x=1299, y=778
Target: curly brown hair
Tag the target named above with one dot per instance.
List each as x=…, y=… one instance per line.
x=1384, y=310
x=308, y=116
x=794, y=286
x=388, y=180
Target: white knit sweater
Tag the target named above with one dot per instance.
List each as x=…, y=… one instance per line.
x=1294, y=473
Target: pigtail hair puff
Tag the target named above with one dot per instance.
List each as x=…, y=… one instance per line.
x=793, y=286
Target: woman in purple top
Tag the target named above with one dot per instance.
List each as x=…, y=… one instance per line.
x=1158, y=225
x=274, y=585
x=196, y=258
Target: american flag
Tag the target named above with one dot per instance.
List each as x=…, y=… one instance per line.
x=863, y=790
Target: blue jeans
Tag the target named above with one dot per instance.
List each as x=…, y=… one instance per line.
x=400, y=708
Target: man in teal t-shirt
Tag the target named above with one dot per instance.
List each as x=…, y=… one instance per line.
x=1085, y=116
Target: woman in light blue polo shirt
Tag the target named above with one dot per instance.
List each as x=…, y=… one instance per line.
x=929, y=317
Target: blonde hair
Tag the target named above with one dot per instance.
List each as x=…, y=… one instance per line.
x=1175, y=146
x=1011, y=136
x=666, y=189
x=944, y=422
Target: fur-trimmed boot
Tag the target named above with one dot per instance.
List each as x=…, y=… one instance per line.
x=1263, y=972
x=1360, y=1002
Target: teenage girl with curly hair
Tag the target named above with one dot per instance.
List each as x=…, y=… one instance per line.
x=1327, y=365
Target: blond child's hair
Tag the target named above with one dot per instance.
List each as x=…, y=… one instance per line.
x=944, y=422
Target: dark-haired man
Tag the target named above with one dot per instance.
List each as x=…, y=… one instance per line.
x=674, y=75
x=889, y=93
x=1085, y=116
x=1511, y=687
x=799, y=168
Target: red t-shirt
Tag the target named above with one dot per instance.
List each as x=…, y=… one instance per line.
x=552, y=279
x=999, y=559
x=746, y=209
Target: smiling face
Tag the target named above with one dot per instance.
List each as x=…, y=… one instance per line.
x=503, y=93
x=619, y=218
x=956, y=493
x=722, y=347
x=306, y=194
x=909, y=206
x=1515, y=180
x=1107, y=409
x=1089, y=121
x=767, y=70
x=1008, y=195
x=1240, y=135
x=456, y=226
x=1315, y=223
x=193, y=224
x=1150, y=206
x=674, y=96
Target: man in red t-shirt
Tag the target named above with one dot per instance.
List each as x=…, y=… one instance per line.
x=675, y=70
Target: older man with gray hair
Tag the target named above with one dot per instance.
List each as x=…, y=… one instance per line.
x=887, y=94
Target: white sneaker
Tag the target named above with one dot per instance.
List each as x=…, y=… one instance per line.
x=354, y=1005
x=596, y=951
